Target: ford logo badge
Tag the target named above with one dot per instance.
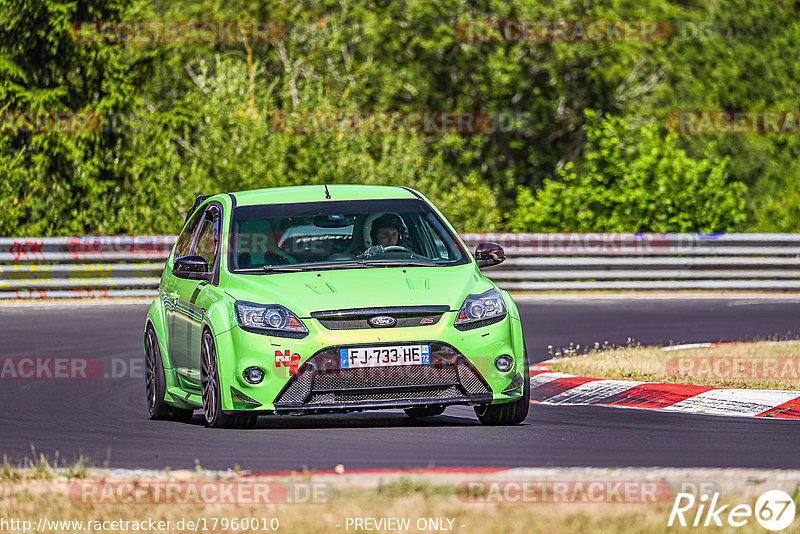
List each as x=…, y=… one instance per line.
x=382, y=321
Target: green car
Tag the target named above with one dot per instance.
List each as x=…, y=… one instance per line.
x=330, y=299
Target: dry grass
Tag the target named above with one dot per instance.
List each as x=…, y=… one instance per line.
x=37, y=491
x=32, y=499
x=759, y=365
x=43, y=468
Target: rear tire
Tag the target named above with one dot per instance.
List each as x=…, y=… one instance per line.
x=156, y=383
x=209, y=386
x=508, y=413
x=428, y=411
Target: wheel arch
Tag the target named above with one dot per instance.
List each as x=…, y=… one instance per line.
x=517, y=335
x=511, y=306
x=219, y=318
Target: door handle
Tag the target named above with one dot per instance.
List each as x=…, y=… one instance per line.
x=174, y=295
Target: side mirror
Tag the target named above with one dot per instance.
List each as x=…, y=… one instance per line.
x=488, y=254
x=191, y=268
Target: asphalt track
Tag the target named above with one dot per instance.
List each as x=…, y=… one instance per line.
x=105, y=419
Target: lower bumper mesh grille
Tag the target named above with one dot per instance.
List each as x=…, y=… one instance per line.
x=355, y=397
x=321, y=384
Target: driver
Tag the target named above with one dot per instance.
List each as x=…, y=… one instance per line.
x=386, y=230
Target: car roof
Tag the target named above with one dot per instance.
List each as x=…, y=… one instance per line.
x=311, y=193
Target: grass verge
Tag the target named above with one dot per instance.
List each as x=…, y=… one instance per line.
x=43, y=468
x=31, y=500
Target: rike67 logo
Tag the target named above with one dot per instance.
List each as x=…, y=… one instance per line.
x=287, y=359
x=774, y=510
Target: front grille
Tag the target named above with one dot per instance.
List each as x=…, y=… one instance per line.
x=323, y=399
x=358, y=318
x=320, y=383
x=373, y=377
x=473, y=383
x=300, y=390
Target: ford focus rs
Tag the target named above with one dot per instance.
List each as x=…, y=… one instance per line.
x=317, y=299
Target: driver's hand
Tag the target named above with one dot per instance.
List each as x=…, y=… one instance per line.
x=376, y=250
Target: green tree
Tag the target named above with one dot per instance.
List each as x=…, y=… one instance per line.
x=356, y=55
x=633, y=181
x=65, y=180
x=738, y=55
x=231, y=144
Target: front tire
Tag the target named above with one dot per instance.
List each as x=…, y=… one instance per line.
x=209, y=385
x=508, y=413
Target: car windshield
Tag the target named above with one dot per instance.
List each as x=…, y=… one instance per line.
x=340, y=234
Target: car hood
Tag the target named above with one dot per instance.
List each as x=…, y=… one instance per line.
x=305, y=292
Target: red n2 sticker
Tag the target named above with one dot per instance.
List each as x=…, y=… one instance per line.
x=287, y=359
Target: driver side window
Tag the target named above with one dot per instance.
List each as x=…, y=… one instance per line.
x=184, y=243
x=207, y=244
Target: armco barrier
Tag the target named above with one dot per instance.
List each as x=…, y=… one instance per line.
x=646, y=261
x=124, y=266
x=81, y=267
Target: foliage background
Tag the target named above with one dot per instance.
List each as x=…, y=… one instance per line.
x=589, y=150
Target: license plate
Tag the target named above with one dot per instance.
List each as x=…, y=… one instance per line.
x=385, y=356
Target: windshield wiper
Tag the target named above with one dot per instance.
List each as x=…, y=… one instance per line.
x=358, y=264
x=282, y=269
x=395, y=263
x=316, y=267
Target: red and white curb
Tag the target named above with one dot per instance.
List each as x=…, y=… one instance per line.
x=549, y=387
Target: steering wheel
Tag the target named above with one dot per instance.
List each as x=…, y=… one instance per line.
x=397, y=248
x=339, y=256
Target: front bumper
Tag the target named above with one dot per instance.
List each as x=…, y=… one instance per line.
x=322, y=386
x=461, y=369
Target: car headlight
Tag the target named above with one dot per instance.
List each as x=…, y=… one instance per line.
x=479, y=310
x=270, y=319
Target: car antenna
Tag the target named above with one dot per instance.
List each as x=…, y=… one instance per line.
x=327, y=193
